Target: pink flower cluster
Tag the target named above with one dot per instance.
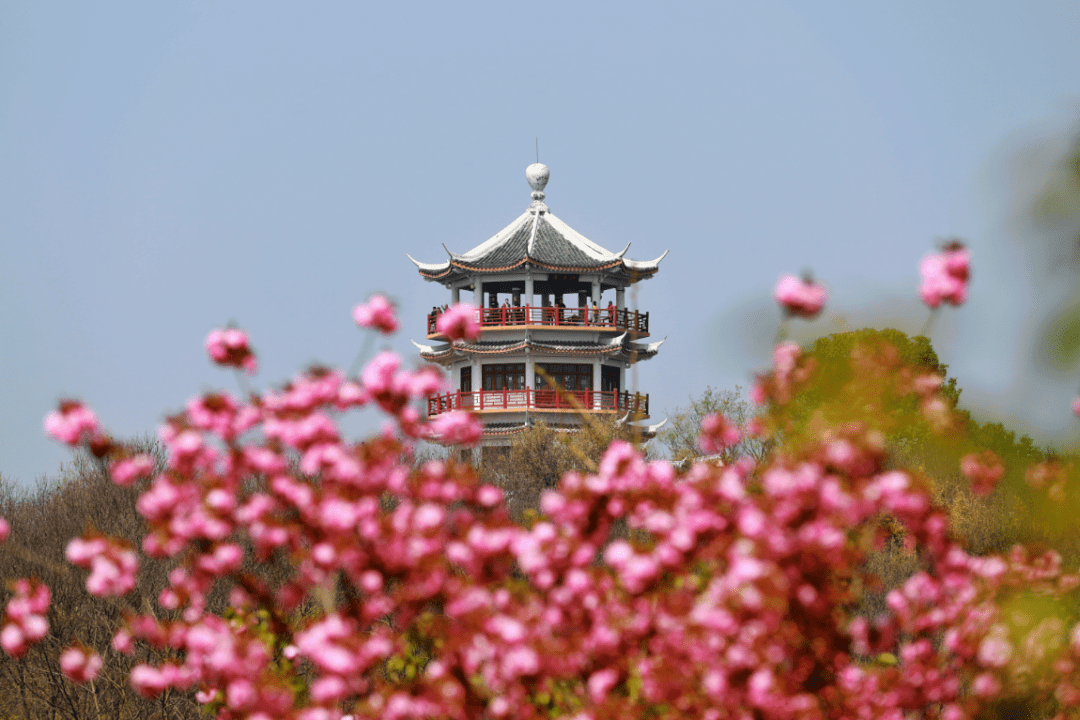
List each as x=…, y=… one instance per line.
x=945, y=276
x=80, y=664
x=73, y=423
x=229, y=347
x=984, y=470
x=24, y=619
x=717, y=434
x=801, y=297
x=458, y=323
x=378, y=314
x=457, y=428
x=125, y=471
x=112, y=563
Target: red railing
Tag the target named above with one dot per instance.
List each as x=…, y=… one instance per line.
x=609, y=317
x=480, y=400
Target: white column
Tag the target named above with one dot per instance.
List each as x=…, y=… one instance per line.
x=477, y=383
x=478, y=293
x=455, y=295
x=530, y=377
x=528, y=296
x=596, y=291
x=596, y=384
x=620, y=298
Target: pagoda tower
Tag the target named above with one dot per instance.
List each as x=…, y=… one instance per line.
x=557, y=336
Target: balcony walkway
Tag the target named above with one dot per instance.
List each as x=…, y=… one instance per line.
x=609, y=318
x=540, y=400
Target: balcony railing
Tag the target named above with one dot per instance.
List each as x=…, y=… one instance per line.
x=609, y=318
x=588, y=400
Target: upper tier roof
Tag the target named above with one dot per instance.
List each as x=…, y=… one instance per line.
x=542, y=240
x=619, y=347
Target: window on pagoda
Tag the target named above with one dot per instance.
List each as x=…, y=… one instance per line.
x=569, y=377
x=509, y=376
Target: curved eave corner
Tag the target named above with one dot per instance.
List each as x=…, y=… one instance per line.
x=644, y=267
x=436, y=354
x=647, y=431
x=649, y=349
x=431, y=271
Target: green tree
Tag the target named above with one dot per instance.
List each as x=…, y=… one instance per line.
x=869, y=377
x=684, y=424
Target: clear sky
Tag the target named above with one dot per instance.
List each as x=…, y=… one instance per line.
x=166, y=168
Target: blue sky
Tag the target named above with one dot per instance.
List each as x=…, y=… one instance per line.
x=168, y=168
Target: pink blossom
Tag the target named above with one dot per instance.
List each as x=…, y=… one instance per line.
x=73, y=423
x=986, y=685
x=127, y=471
x=945, y=276
x=5, y=530
x=489, y=495
x=378, y=314
x=1076, y=406
x=457, y=428
x=80, y=664
x=24, y=618
x=995, y=649
x=123, y=642
x=425, y=381
x=717, y=434
x=112, y=562
x=458, y=323
x=983, y=470
x=229, y=347
x=799, y=297
x=149, y=681
x=601, y=682
x=380, y=373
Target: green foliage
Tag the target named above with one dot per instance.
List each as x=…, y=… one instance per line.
x=684, y=425
x=843, y=360
x=870, y=378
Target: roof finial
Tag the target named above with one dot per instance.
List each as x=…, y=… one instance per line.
x=537, y=175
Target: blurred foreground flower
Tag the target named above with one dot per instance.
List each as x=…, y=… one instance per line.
x=378, y=314
x=230, y=347
x=80, y=664
x=800, y=297
x=459, y=323
x=945, y=276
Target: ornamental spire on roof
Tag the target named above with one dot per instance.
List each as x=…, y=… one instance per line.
x=537, y=174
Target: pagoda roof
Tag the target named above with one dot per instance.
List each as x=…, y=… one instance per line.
x=615, y=347
x=539, y=239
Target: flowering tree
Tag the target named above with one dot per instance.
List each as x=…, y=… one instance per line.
x=734, y=594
